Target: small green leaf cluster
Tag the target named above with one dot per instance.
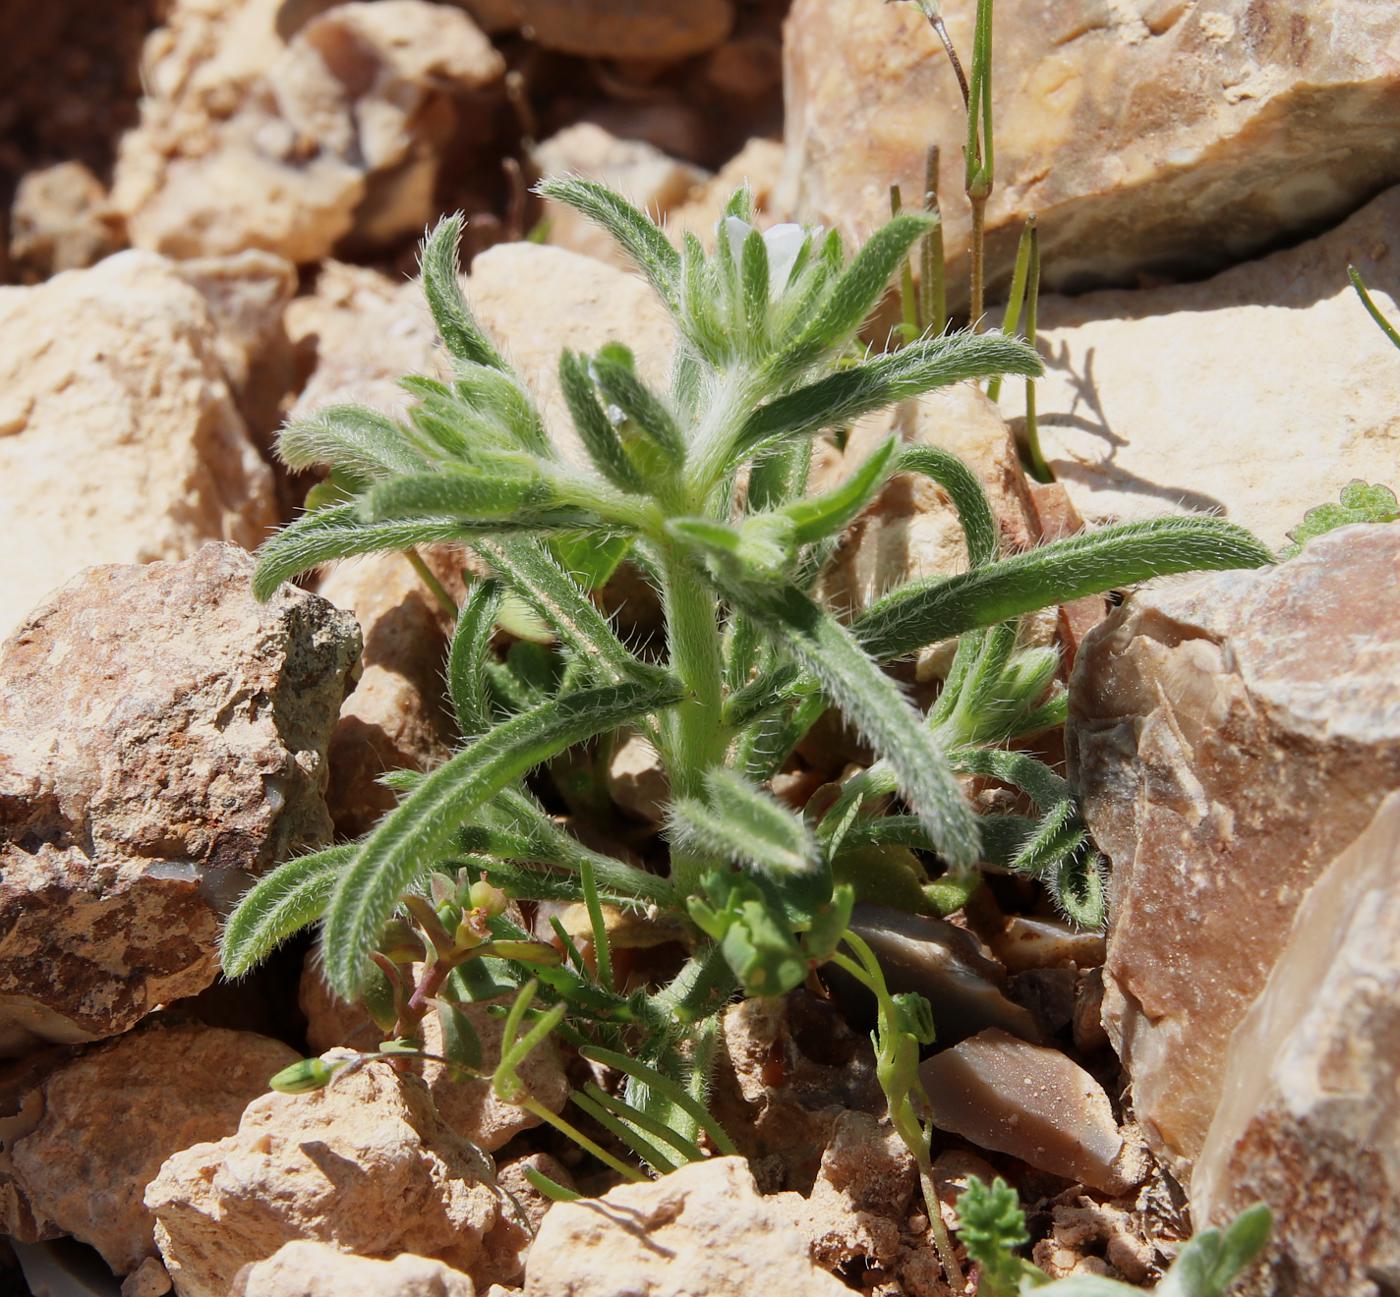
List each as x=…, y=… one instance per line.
x=1360, y=502
x=702, y=485
x=992, y=1226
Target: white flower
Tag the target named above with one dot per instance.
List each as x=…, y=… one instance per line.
x=783, y=242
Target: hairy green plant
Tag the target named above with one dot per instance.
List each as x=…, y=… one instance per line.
x=992, y=1226
x=412, y=916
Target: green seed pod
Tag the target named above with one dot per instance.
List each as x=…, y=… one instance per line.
x=483, y=896
x=305, y=1075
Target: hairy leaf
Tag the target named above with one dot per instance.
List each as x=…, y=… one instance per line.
x=471, y=642
x=408, y=840
x=293, y=896
x=363, y=442
x=456, y=325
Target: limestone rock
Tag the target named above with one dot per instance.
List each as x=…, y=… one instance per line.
x=628, y=29
x=358, y=333
x=1309, y=1118
x=246, y=295
x=1161, y=137
x=61, y=220
x=1257, y=394
x=790, y=1071
x=396, y=719
x=524, y=1207
x=1030, y=1101
x=642, y=173
x=119, y=439
x=250, y=140
x=636, y=780
x=107, y=1118
x=1229, y=736
x=365, y=1165
x=911, y=529
x=536, y=300
x=701, y=1229
x=162, y=741
x=468, y=1106
x=756, y=165
x=309, y=1269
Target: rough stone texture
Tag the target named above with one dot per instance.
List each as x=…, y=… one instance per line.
x=149, y=1279
x=523, y=1208
x=1309, y=1118
x=119, y=439
x=1152, y=136
x=106, y=1119
x=911, y=529
x=357, y=334
x=701, y=1229
x=1030, y=1101
x=307, y=1269
x=469, y=1107
x=365, y=1165
x=537, y=300
x=636, y=780
x=250, y=140
x=396, y=718
x=643, y=174
x=628, y=29
x=60, y=220
x=756, y=165
x=1229, y=736
x=790, y=1070
x=1256, y=394
x=246, y=295
x=162, y=740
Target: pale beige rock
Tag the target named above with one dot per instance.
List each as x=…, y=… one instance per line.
x=246, y=295
x=628, y=29
x=304, y=1268
x=396, y=718
x=162, y=741
x=1309, y=1118
x=639, y=171
x=1026, y=942
x=110, y=1116
x=468, y=1106
x=1228, y=737
x=1030, y=1101
x=250, y=141
x=911, y=529
x=1171, y=137
x=701, y=1229
x=756, y=165
x=636, y=780
x=537, y=300
x=790, y=1070
x=149, y=1279
x=119, y=439
x=1257, y=394
x=61, y=220
x=365, y=1164
x=522, y=1209
x=360, y=332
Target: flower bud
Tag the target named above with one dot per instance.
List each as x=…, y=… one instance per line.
x=305, y=1075
x=483, y=896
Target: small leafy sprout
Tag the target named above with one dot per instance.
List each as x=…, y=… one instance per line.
x=414, y=918
x=992, y=1226
x=1360, y=502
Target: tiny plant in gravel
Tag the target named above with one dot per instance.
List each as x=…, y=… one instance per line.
x=992, y=1226
x=703, y=486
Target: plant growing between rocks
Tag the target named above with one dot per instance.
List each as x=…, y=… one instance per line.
x=703, y=487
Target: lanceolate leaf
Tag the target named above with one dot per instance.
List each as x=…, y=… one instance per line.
x=293, y=896
x=412, y=837
x=925, y=612
x=340, y=532
x=620, y=384
x=873, y=702
x=637, y=235
x=600, y=439
x=471, y=641
x=456, y=325
x=739, y=823
x=352, y=439
x=456, y=493
x=970, y=500
x=828, y=513
x=530, y=571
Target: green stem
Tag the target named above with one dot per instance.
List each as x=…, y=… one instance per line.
x=435, y=587
x=1040, y=470
x=1372, y=309
x=933, y=297
x=533, y=1105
